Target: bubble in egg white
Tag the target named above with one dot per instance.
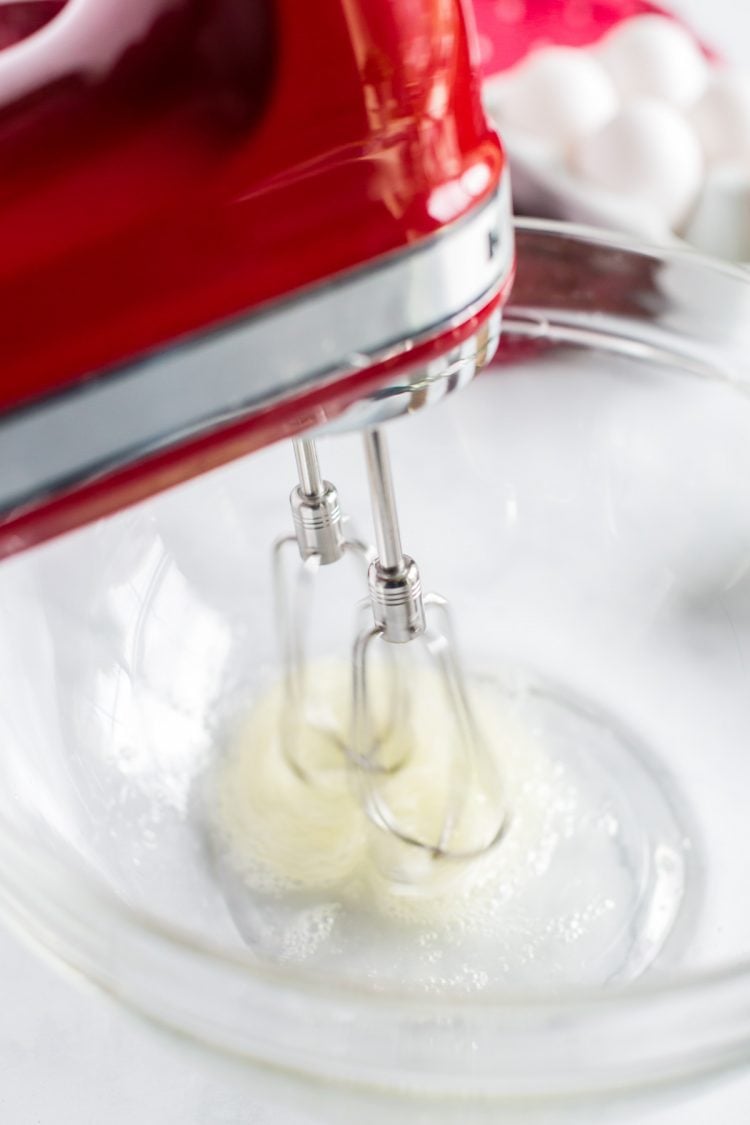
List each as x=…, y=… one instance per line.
x=654, y=55
x=556, y=93
x=721, y=118
x=647, y=152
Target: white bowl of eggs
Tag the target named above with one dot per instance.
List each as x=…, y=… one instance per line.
x=640, y=132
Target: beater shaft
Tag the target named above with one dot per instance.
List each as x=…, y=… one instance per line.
x=385, y=515
x=308, y=468
x=393, y=578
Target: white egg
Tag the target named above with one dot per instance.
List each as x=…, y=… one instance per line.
x=647, y=152
x=655, y=56
x=556, y=93
x=720, y=223
x=721, y=118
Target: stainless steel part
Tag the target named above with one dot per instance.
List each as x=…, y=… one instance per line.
x=399, y=613
x=387, y=534
x=396, y=599
x=356, y=321
x=320, y=540
x=398, y=609
x=393, y=577
x=308, y=467
x=316, y=512
x=472, y=764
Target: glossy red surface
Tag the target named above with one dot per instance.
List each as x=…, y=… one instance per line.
x=21, y=18
x=168, y=164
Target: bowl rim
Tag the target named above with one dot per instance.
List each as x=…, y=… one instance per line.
x=616, y=240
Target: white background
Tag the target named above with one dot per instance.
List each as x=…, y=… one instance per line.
x=70, y=1057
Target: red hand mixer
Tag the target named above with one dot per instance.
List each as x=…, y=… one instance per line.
x=227, y=221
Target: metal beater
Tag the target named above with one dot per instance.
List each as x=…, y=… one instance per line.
x=399, y=615
x=320, y=538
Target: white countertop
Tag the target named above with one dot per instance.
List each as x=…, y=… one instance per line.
x=68, y=1056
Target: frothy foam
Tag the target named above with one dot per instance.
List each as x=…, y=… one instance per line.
x=310, y=879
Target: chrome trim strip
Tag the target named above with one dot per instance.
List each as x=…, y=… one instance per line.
x=353, y=322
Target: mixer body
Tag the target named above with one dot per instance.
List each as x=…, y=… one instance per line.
x=228, y=221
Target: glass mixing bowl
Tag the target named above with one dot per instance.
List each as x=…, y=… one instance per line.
x=584, y=506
